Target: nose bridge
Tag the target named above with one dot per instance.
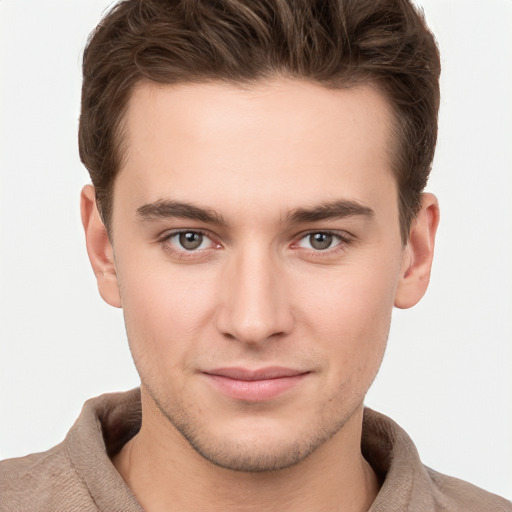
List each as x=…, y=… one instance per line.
x=254, y=306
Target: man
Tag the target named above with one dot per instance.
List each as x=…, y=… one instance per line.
x=257, y=211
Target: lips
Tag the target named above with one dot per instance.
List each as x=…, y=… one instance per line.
x=254, y=385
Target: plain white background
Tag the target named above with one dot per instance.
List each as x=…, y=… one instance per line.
x=447, y=375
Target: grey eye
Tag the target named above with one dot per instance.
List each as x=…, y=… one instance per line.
x=320, y=241
x=190, y=240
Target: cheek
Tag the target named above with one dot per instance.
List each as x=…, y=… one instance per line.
x=164, y=310
x=350, y=299
x=349, y=313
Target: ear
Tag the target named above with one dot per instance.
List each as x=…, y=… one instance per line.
x=418, y=254
x=99, y=248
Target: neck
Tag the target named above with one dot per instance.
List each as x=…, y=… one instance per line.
x=166, y=473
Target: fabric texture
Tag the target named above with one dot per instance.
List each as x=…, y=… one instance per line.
x=77, y=475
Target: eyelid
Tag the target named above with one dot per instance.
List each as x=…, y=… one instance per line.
x=169, y=233
x=165, y=237
x=343, y=235
x=345, y=239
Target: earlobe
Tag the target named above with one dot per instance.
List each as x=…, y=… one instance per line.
x=99, y=248
x=418, y=254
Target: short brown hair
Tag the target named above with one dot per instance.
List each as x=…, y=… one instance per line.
x=335, y=43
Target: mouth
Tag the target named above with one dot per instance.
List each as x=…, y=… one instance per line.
x=254, y=385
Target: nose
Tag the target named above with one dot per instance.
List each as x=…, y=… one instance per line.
x=254, y=305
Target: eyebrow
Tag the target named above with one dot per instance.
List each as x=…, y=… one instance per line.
x=331, y=210
x=339, y=209
x=164, y=209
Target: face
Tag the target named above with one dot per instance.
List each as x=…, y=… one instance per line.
x=257, y=254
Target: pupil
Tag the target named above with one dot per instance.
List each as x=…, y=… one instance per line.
x=191, y=240
x=321, y=241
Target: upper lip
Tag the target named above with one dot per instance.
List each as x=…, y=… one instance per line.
x=272, y=372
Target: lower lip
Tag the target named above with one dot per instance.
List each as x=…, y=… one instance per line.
x=254, y=390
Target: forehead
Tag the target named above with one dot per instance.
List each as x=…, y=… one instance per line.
x=280, y=142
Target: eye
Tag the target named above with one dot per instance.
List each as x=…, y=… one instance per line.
x=320, y=241
x=189, y=241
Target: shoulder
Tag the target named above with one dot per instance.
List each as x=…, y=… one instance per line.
x=77, y=474
x=409, y=485
x=43, y=481
x=452, y=494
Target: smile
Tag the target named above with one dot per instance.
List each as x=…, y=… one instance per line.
x=254, y=385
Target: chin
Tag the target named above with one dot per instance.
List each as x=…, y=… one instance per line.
x=254, y=456
x=255, y=445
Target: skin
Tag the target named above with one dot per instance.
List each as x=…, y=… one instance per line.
x=265, y=168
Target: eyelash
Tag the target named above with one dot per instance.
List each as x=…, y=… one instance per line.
x=165, y=241
x=344, y=241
